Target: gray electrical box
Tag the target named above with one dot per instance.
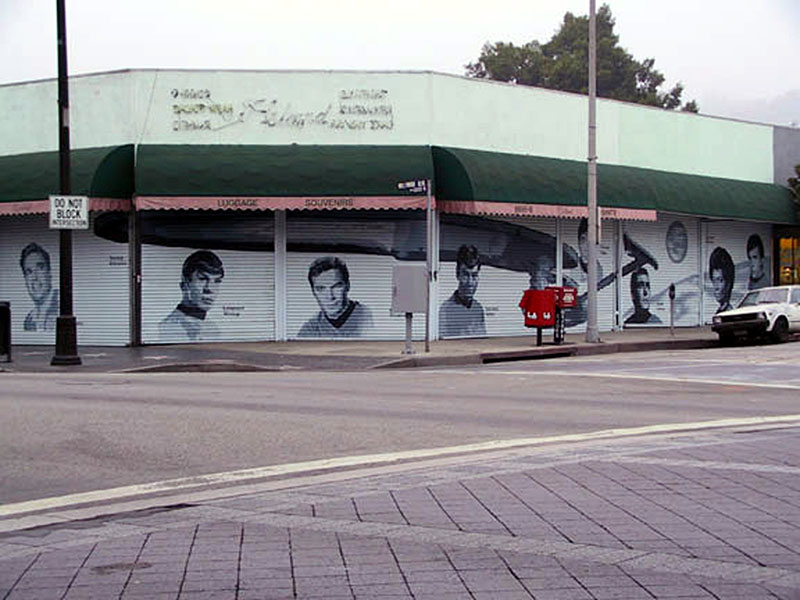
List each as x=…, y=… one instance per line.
x=409, y=289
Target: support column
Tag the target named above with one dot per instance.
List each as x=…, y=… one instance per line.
x=280, y=276
x=433, y=299
x=702, y=234
x=619, y=250
x=135, y=277
x=559, y=254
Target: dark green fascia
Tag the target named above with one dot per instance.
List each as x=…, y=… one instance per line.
x=278, y=171
x=463, y=174
x=95, y=172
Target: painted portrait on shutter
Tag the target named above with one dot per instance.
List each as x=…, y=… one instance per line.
x=201, y=278
x=34, y=261
x=338, y=315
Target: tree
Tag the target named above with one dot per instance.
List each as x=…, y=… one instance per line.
x=794, y=182
x=794, y=187
x=563, y=64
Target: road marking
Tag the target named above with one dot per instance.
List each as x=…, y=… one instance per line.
x=731, y=382
x=368, y=460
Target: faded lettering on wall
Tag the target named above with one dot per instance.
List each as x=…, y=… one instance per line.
x=351, y=110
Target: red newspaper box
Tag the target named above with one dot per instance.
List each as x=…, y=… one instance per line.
x=566, y=297
x=539, y=307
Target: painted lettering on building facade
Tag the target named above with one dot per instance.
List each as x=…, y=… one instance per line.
x=195, y=110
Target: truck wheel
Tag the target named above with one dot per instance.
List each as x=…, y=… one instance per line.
x=727, y=339
x=780, y=331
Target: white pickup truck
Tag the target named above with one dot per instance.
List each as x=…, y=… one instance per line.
x=772, y=312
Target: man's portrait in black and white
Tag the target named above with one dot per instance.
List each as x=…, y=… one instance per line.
x=338, y=316
x=722, y=273
x=755, y=257
x=201, y=278
x=640, y=296
x=461, y=315
x=34, y=261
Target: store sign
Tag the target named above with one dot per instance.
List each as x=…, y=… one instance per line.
x=69, y=212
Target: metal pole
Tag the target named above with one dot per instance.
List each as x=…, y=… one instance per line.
x=428, y=261
x=408, y=348
x=593, y=221
x=66, y=331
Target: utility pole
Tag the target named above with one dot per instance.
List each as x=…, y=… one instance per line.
x=66, y=330
x=593, y=221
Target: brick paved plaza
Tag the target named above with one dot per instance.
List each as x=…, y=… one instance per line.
x=710, y=514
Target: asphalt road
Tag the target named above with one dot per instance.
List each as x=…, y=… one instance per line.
x=68, y=433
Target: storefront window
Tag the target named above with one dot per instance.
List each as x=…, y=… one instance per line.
x=789, y=268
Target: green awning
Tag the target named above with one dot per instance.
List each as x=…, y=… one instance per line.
x=479, y=176
x=95, y=172
x=278, y=171
x=353, y=176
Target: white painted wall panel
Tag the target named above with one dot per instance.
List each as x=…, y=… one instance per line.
x=513, y=251
x=370, y=286
x=732, y=237
x=101, y=113
x=244, y=306
x=369, y=249
x=520, y=119
x=578, y=276
x=672, y=244
x=18, y=232
x=101, y=287
x=100, y=283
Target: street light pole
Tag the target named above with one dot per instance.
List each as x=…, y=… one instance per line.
x=66, y=331
x=428, y=260
x=592, y=334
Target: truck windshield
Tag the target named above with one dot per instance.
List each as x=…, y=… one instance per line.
x=763, y=297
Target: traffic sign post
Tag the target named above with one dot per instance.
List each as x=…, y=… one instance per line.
x=66, y=351
x=418, y=186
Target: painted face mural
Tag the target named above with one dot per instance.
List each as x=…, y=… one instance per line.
x=468, y=281
x=641, y=292
x=200, y=290
x=756, y=263
x=330, y=290
x=38, y=281
x=721, y=271
x=718, y=283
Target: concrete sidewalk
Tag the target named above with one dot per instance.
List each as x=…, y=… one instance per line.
x=348, y=355
x=710, y=513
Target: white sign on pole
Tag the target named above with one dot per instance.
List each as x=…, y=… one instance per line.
x=69, y=212
x=414, y=186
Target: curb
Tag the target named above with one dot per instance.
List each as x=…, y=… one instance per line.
x=544, y=352
x=210, y=366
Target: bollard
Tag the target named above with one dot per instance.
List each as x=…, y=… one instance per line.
x=5, y=331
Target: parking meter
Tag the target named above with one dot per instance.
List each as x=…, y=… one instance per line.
x=672, y=309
